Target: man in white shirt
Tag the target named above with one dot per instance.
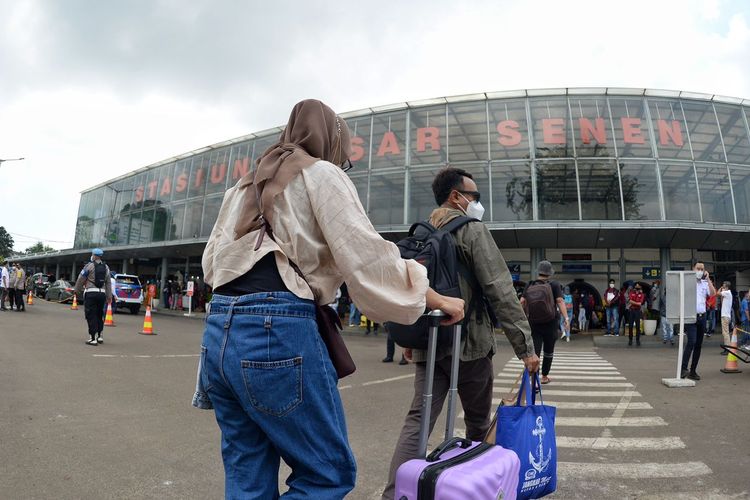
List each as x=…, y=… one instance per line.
x=726, y=310
x=695, y=331
x=4, y=277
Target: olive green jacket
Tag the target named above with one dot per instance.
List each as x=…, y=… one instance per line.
x=479, y=253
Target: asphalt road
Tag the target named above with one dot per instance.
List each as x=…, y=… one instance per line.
x=115, y=421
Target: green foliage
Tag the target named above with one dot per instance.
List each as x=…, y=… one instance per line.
x=6, y=244
x=38, y=247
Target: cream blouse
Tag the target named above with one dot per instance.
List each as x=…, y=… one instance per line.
x=320, y=224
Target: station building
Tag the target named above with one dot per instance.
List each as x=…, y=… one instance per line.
x=604, y=182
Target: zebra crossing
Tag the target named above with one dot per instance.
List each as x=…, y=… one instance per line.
x=599, y=411
x=604, y=428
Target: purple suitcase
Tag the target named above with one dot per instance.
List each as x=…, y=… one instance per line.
x=457, y=468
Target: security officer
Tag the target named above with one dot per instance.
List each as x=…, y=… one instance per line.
x=96, y=286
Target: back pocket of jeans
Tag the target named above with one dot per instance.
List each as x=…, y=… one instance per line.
x=274, y=387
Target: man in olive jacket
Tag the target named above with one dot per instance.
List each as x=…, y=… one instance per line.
x=456, y=194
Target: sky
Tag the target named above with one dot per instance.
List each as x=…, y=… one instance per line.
x=91, y=90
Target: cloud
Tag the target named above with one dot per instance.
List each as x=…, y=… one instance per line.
x=92, y=90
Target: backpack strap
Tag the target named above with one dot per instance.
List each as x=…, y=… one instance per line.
x=423, y=224
x=457, y=223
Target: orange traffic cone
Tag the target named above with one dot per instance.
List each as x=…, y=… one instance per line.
x=108, y=319
x=30, y=298
x=148, y=327
x=731, y=365
x=74, y=307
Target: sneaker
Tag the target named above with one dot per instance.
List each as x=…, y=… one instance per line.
x=617, y=334
x=567, y=339
x=92, y=341
x=694, y=376
x=99, y=339
x=387, y=360
x=607, y=334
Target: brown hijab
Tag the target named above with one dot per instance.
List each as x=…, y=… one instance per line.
x=313, y=133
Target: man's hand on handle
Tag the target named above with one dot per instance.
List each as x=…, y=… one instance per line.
x=531, y=363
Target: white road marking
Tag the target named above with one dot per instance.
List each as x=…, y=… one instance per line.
x=585, y=394
x=578, y=366
x=632, y=471
x=345, y=387
x=383, y=381
x=575, y=384
x=602, y=443
x=610, y=422
x=594, y=405
x=513, y=375
x=564, y=371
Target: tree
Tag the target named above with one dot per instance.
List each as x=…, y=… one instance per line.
x=38, y=247
x=6, y=243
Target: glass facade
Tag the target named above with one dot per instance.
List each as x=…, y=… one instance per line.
x=604, y=156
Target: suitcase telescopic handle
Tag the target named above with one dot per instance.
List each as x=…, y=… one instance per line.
x=434, y=317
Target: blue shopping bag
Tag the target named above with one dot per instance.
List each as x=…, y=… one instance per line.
x=530, y=432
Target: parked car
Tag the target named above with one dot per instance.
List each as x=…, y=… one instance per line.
x=128, y=292
x=40, y=282
x=60, y=290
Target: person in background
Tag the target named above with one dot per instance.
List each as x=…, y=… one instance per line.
x=113, y=284
x=635, y=303
x=354, y=315
x=726, y=312
x=711, y=308
x=695, y=331
x=583, y=312
x=612, y=308
x=390, y=350
x=654, y=301
x=4, y=277
x=545, y=334
x=95, y=285
x=667, y=332
x=744, y=339
x=565, y=326
x=20, y=288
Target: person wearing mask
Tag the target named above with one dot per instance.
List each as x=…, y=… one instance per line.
x=726, y=311
x=456, y=195
x=95, y=284
x=544, y=333
x=583, y=312
x=635, y=303
x=694, y=331
x=20, y=288
x=611, y=308
x=568, y=299
x=287, y=235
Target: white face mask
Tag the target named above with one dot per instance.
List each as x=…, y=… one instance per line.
x=699, y=274
x=474, y=210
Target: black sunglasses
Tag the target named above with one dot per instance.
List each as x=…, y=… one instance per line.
x=475, y=194
x=347, y=165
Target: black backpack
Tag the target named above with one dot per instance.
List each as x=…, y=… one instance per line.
x=436, y=250
x=100, y=274
x=540, y=302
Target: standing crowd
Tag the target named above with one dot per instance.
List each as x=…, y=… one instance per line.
x=12, y=287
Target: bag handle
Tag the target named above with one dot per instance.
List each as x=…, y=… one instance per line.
x=529, y=386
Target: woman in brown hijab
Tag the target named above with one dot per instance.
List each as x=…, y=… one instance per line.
x=264, y=368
